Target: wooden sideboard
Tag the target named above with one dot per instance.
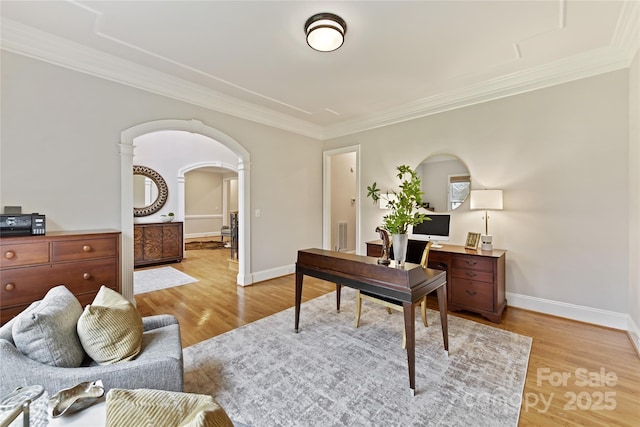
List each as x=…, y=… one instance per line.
x=475, y=279
x=157, y=243
x=31, y=265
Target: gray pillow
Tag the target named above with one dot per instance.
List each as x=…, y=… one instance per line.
x=46, y=332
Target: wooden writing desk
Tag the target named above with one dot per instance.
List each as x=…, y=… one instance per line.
x=475, y=278
x=406, y=285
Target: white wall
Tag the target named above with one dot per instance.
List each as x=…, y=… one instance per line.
x=560, y=155
x=203, y=203
x=634, y=201
x=60, y=156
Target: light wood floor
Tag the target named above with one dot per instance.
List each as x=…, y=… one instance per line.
x=601, y=370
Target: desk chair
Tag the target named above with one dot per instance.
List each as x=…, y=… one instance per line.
x=390, y=304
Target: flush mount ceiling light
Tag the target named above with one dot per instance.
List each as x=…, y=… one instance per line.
x=325, y=31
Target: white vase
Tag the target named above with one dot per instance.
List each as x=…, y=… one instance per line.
x=400, y=242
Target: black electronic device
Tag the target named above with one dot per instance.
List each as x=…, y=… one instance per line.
x=22, y=224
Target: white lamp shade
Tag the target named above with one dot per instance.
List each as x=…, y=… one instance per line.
x=486, y=199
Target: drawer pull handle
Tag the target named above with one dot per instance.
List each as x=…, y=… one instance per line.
x=470, y=262
x=86, y=248
x=471, y=273
x=86, y=276
x=9, y=254
x=9, y=287
x=470, y=292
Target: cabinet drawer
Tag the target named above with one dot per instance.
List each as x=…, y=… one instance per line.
x=25, y=285
x=73, y=250
x=473, y=262
x=437, y=256
x=475, y=295
x=30, y=284
x=374, y=250
x=24, y=254
x=477, y=275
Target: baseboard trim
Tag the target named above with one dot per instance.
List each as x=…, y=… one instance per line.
x=197, y=235
x=261, y=276
x=596, y=316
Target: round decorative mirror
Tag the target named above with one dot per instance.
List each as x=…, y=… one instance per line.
x=445, y=182
x=150, y=191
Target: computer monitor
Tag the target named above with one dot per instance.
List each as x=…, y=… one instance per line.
x=436, y=230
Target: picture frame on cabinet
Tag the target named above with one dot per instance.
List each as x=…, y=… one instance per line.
x=472, y=241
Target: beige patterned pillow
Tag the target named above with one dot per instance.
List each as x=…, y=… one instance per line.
x=110, y=329
x=144, y=407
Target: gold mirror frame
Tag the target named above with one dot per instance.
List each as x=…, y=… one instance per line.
x=163, y=191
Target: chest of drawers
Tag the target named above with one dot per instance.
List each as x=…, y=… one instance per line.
x=31, y=265
x=475, y=279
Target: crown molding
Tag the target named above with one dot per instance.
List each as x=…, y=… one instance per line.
x=28, y=41
x=578, y=67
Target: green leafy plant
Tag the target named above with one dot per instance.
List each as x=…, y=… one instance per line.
x=404, y=204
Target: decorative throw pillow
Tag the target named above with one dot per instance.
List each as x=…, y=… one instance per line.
x=110, y=329
x=145, y=407
x=46, y=330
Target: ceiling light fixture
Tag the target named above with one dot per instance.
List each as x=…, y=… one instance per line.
x=325, y=32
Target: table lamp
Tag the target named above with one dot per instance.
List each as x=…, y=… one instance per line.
x=486, y=200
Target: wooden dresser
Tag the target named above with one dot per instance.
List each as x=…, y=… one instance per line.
x=80, y=260
x=157, y=242
x=475, y=279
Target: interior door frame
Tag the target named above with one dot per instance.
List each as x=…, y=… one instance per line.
x=326, y=194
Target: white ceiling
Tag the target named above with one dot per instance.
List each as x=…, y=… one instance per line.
x=400, y=60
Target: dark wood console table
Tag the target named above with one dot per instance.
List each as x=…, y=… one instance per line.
x=406, y=285
x=475, y=279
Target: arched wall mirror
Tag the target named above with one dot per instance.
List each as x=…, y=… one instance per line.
x=445, y=182
x=150, y=191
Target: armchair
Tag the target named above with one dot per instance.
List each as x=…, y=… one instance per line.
x=159, y=365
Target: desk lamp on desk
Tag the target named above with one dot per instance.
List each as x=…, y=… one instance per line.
x=487, y=200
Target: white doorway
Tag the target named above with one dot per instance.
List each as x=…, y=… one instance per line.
x=244, y=276
x=341, y=199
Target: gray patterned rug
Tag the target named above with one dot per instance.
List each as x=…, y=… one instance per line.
x=159, y=278
x=332, y=374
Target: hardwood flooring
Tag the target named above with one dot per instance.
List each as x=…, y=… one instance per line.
x=578, y=374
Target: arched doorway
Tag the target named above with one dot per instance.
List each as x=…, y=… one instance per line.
x=126, y=193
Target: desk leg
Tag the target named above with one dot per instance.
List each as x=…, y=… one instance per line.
x=299, y=277
x=442, y=305
x=410, y=330
x=338, y=292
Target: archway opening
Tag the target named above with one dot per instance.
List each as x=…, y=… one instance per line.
x=128, y=136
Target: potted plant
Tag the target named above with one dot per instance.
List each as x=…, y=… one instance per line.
x=404, y=209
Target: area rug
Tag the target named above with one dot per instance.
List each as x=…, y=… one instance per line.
x=332, y=374
x=214, y=244
x=159, y=278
